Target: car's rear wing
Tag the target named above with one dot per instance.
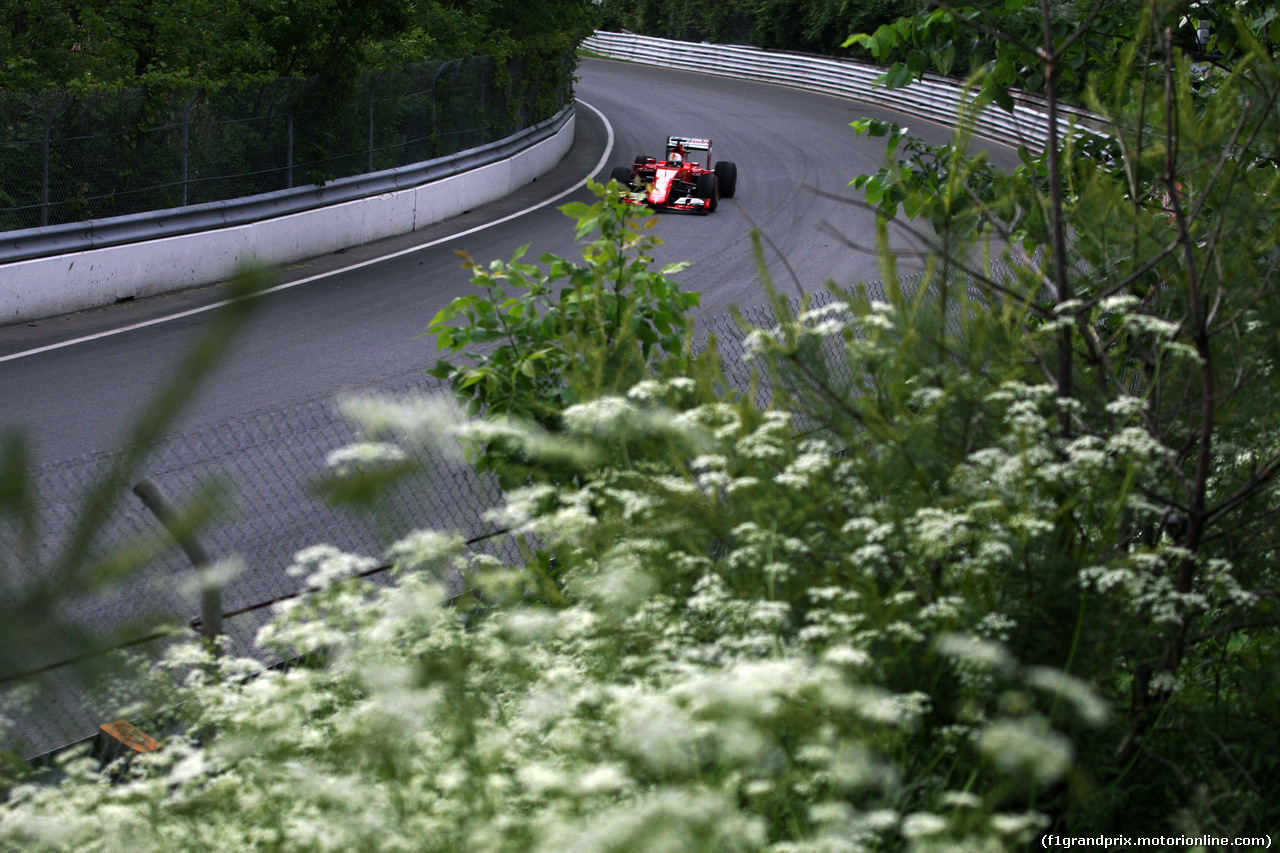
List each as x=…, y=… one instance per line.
x=689, y=143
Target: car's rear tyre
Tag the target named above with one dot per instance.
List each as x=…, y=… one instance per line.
x=727, y=175
x=622, y=175
x=706, y=189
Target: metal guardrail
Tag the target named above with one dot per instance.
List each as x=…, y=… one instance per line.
x=935, y=98
x=53, y=240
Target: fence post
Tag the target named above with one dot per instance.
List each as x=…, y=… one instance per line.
x=210, y=596
x=435, y=97
x=44, y=176
x=373, y=87
x=298, y=92
x=486, y=74
x=186, y=141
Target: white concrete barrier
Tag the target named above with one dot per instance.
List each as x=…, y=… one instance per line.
x=46, y=286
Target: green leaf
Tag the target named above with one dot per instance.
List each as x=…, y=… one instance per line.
x=898, y=76
x=944, y=58
x=473, y=376
x=575, y=209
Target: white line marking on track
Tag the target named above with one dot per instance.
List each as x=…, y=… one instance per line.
x=604, y=159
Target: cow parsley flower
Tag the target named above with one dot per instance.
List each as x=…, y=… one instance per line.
x=975, y=651
x=364, y=455
x=1027, y=746
x=425, y=548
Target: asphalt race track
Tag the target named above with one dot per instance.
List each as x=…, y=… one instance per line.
x=352, y=321
x=359, y=329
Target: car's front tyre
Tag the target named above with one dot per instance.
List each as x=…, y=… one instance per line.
x=622, y=175
x=706, y=190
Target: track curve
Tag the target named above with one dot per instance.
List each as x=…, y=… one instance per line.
x=359, y=328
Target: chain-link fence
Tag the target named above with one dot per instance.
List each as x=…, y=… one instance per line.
x=67, y=158
x=269, y=463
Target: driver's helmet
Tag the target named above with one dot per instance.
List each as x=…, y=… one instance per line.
x=676, y=159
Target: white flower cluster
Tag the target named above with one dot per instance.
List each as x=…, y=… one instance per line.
x=729, y=606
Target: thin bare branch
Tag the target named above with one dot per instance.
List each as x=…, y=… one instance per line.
x=1246, y=491
x=1233, y=628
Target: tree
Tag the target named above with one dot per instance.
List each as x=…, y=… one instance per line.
x=813, y=25
x=214, y=42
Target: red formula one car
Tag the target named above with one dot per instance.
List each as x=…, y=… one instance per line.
x=676, y=182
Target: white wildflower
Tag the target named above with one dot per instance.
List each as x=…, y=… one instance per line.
x=414, y=416
x=975, y=651
x=1082, y=697
x=1164, y=682
x=424, y=549
x=709, y=462
x=1019, y=824
x=836, y=309
x=877, y=321
x=922, y=824
x=1149, y=324
x=364, y=455
x=647, y=391
x=666, y=821
x=682, y=384
x=1182, y=350
x=523, y=505
x=1027, y=746
x=605, y=417
x=902, y=710
x=324, y=565
x=1126, y=406
x=846, y=656
x=926, y=398
x=1119, y=302
x=540, y=778
x=854, y=768
x=961, y=800
x=603, y=779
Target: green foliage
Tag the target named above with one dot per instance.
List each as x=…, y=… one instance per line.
x=959, y=42
x=1004, y=45
x=91, y=45
x=813, y=25
x=543, y=338
x=1144, y=284
x=942, y=184
x=818, y=25
x=128, y=75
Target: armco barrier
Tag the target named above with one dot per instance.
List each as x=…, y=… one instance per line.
x=47, y=271
x=935, y=98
